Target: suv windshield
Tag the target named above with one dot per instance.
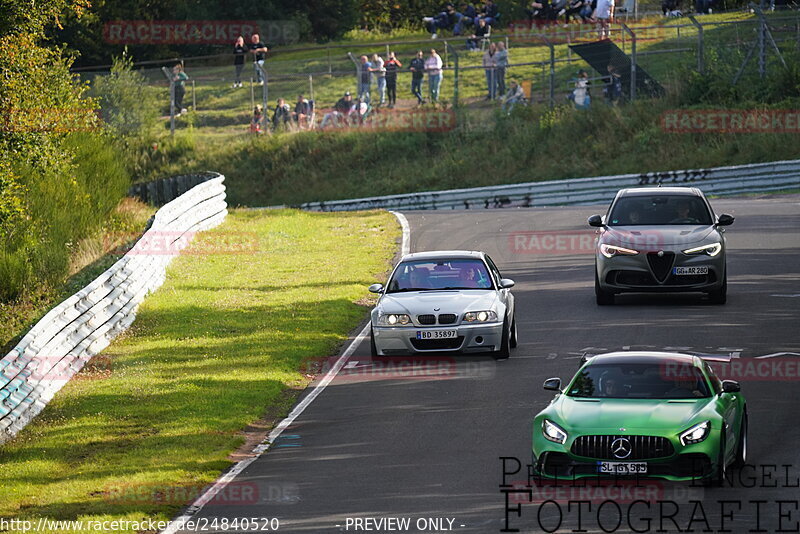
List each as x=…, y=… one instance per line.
x=429, y=275
x=668, y=380
x=649, y=210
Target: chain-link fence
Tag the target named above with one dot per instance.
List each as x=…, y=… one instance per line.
x=552, y=64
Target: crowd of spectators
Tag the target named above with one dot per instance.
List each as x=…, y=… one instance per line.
x=463, y=21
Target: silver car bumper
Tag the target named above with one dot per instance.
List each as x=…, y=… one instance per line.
x=469, y=338
x=638, y=273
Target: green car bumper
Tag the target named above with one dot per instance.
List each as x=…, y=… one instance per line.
x=662, y=452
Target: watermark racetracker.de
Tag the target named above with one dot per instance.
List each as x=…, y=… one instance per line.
x=219, y=32
x=731, y=121
x=170, y=243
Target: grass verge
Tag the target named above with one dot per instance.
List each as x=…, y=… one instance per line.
x=212, y=351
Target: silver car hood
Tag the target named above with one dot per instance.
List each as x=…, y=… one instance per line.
x=654, y=237
x=447, y=301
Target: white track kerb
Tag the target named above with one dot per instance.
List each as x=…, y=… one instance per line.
x=179, y=523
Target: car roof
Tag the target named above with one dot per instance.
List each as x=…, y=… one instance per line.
x=651, y=357
x=443, y=254
x=642, y=191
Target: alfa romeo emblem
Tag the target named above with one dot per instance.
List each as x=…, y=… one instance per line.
x=660, y=253
x=621, y=448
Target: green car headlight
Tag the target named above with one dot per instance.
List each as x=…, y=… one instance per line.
x=480, y=316
x=394, y=319
x=696, y=434
x=553, y=432
x=712, y=250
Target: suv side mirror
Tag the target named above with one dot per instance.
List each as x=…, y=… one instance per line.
x=552, y=384
x=725, y=220
x=506, y=283
x=596, y=221
x=731, y=386
x=376, y=288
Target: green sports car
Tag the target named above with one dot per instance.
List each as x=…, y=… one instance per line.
x=645, y=414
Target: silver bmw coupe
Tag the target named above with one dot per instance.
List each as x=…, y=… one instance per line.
x=660, y=239
x=444, y=301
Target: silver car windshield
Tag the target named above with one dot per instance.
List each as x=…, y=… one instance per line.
x=657, y=210
x=429, y=275
x=640, y=381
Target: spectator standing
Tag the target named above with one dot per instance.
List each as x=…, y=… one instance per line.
x=417, y=68
x=379, y=71
x=613, y=87
x=239, y=51
x=514, y=96
x=433, y=66
x=259, y=51
x=488, y=68
x=364, y=79
x=501, y=62
x=603, y=13
x=392, y=66
x=179, y=77
x=282, y=115
x=480, y=33
x=580, y=95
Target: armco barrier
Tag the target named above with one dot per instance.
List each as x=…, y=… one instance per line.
x=67, y=337
x=775, y=176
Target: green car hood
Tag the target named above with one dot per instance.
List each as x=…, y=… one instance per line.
x=609, y=415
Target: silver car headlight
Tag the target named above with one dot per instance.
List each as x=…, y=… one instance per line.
x=485, y=316
x=712, y=250
x=696, y=434
x=393, y=319
x=553, y=432
x=609, y=251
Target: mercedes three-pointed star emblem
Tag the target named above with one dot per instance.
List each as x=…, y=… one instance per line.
x=621, y=448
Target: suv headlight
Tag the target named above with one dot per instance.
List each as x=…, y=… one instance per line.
x=696, y=434
x=485, y=316
x=393, y=319
x=553, y=432
x=712, y=250
x=610, y=251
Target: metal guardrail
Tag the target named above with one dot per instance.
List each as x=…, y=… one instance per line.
x=759, y=177
x=69, y=335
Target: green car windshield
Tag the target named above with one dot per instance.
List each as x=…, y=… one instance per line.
x=639, y=381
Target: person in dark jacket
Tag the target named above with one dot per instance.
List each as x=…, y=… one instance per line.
x=239, y=51
x=302, y=111
x=489, y=13
x=392, y=66
x=417, y=68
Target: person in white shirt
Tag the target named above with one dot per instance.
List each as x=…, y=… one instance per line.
x=603, y=13
x=433, y=66
x=379, y=71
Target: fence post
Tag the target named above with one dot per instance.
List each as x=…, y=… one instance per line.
x=456, y=72
x=265, y=97
x=552, y=74
x=701, y=67
x=168, y=74
x=194, y=99
x=632, y=35
x=358, y=73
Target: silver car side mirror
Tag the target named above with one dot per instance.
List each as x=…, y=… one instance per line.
x=506, y=283
x=376, y=288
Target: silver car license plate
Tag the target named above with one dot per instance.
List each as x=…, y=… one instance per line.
x=702, y=269
x=622, y=468
x=436, y=334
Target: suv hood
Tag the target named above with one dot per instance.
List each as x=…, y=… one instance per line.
x=656, y=237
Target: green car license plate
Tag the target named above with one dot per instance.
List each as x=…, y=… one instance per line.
x=622, y=468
